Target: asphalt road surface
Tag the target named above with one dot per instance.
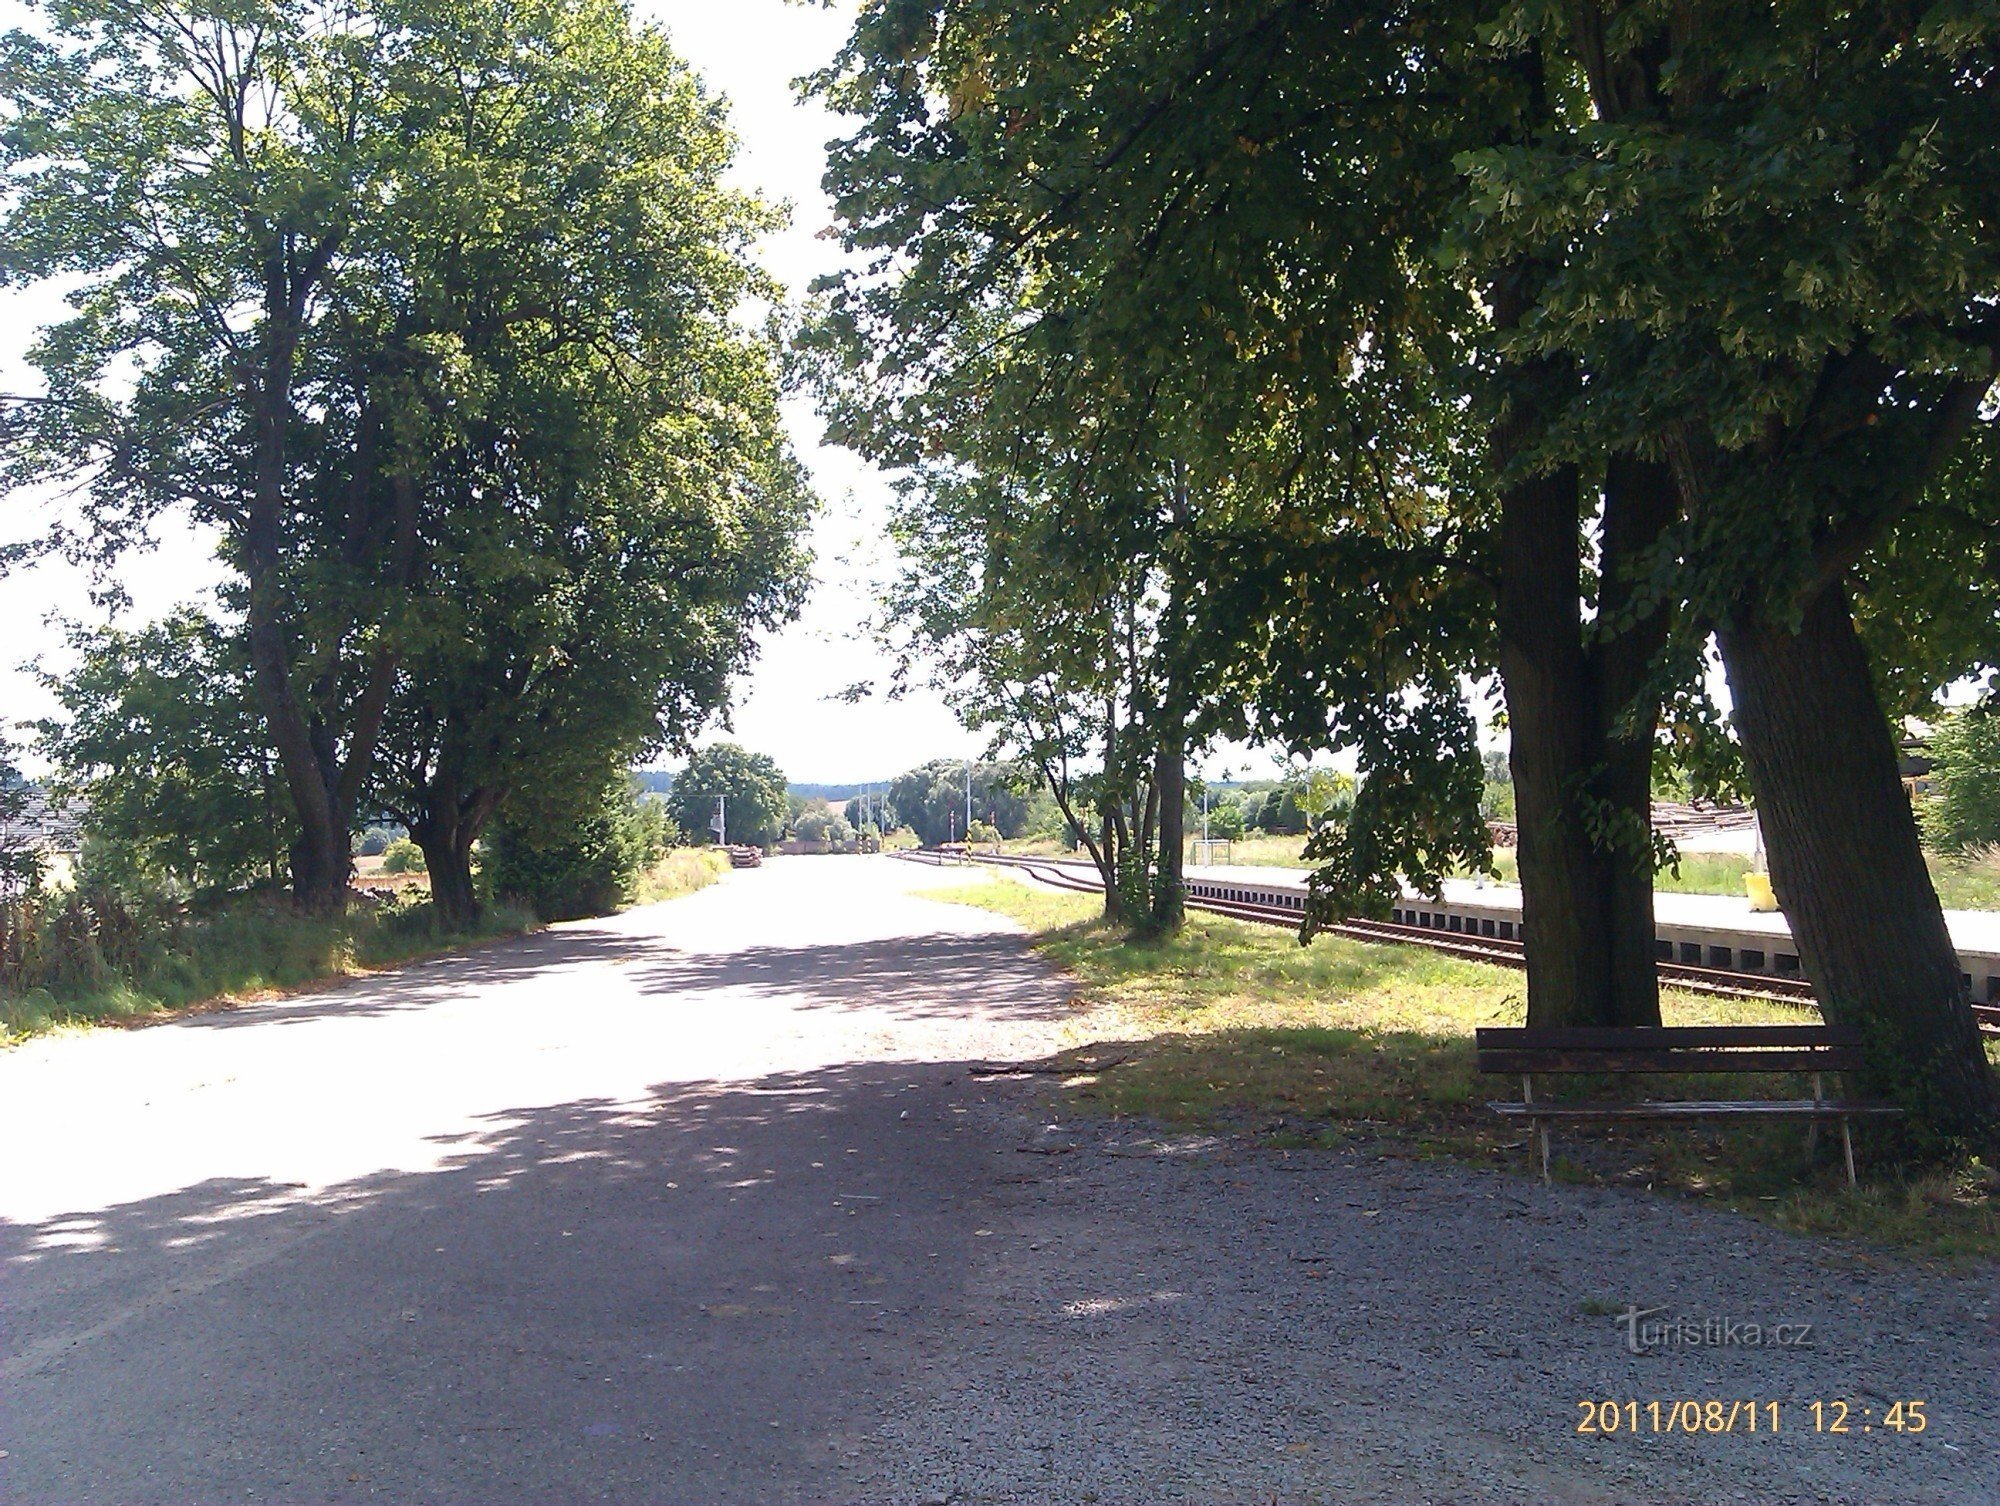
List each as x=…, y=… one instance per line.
x=702, y=1204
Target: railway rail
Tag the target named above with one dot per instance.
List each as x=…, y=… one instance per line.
x=1715, y=982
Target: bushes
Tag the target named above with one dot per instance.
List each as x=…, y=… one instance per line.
x=1964, y=813
x=102, y=955
x=402, y=856
x=566, y=864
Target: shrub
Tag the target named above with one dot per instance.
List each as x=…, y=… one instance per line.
x=403, y=856
x=1963, y=814
x=588, y=864
x=1224, y=822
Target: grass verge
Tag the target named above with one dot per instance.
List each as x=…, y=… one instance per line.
x=248, y=947
x=1967, y=883
x=1236, y=1027
x=681, y=871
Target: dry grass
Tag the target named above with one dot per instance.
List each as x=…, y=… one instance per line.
x=250, y=947
x=681, y=871
x=1235, y=1026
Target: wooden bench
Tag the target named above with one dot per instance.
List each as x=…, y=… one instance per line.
x=1811, y=1049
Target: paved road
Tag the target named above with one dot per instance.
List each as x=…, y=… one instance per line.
x=701, y=1204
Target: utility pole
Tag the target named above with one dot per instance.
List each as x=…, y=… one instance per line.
x=968, y=800
x=721, y=827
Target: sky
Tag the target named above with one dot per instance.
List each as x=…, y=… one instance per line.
x=750, y=52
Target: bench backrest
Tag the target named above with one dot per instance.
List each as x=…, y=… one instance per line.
x=1670, y=1048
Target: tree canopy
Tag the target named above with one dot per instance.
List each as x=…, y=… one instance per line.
x=434, y=312
x=750, y=786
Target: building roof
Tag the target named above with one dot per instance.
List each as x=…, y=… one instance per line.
x=40, y=824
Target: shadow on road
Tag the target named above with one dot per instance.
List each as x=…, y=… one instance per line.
x=418, y=985
x=912, y=977
x=716, y=1283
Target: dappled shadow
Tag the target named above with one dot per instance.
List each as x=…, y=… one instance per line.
x=414, y=986
x=694, y=1295
x=911, y=977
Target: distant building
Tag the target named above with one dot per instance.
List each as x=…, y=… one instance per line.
x=29, y=824
x=1913, y=762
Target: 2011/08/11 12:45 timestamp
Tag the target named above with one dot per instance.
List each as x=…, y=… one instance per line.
x=1718, y=1415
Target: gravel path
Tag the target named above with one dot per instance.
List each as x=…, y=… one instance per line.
x=702, y=1204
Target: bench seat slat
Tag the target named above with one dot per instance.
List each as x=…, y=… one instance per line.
x=1606, y=1037
x=1670, y=1059
x=1777, y=1108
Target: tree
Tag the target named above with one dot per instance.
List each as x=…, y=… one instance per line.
x=820, y=825
x=1225, y=821
x=931, y=799
x=750, y=785
x=617, y=512
x=1768, y=249
x=452, y=260
x=1179, y=254
x=1964, y=810
x=162, y=746
x=574, y=850
x=403, y=856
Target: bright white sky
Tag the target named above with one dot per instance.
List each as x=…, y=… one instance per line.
x=750, y=51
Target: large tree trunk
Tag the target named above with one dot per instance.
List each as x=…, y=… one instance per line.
x=1582, y=762
x=1170, y=779
x=320, y=857
x=1545, y=674
x=453, y=898
x=1581, y=738
x=446, y=829
x=1640, y=503
x=1850, y=873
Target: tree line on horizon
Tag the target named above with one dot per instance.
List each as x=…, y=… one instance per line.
x=1286, y=373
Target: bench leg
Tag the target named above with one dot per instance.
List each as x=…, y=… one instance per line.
x=1542, y=1135
x=1847, y=1146
x=1812, y=1129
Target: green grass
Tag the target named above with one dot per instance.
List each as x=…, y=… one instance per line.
x=681, y=871
x=1257, y=851
x=253, y=945
x=1265, y=851
x=258, y=945
x=1968, y=883
x=1236, y=1027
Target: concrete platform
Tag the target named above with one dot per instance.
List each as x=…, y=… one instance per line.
x=1701, y=930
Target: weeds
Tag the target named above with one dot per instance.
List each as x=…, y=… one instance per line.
x=682, y=871
x=77, y=959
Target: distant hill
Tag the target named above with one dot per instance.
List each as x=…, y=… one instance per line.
x=836, y=794
x=661, y=781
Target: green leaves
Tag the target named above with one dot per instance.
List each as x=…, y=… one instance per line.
x=431, y=308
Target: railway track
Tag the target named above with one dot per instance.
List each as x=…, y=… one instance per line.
x=1716, y=982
